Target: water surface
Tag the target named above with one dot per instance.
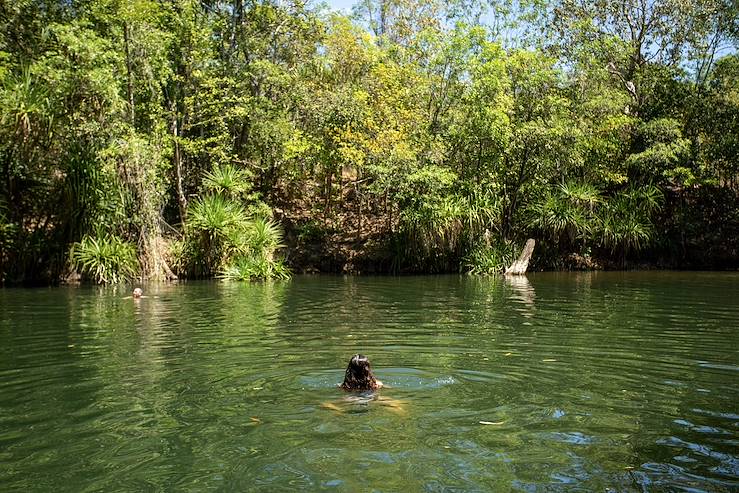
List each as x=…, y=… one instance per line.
x=555, y=382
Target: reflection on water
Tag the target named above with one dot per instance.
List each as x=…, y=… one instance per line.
x=523, y=293
x=546, y=382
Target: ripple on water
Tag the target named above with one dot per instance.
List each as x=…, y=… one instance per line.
x=410, y=379
x=549, y=383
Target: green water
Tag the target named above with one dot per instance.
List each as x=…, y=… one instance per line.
x=592, y=382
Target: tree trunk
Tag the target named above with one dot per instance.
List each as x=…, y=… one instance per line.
x=177, y=157
x=359, y=212
x=129, y=72
x=329, y=186
x=519, y=267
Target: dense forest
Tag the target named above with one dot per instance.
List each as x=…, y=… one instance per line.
x=249, y=138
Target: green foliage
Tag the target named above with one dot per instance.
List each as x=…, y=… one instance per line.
x=223, y=241
x=567, y=212
x=719, y=156
x=487, y=259
x=106, y=259
x=577, y=216
x=265, y=236
x=227, y=180
x=429, y=235
x=311, y=232
x=215, y=216
x=8, y=234
x=253, y=252
x=480, y=210
x=557, y=216
x=251, y=267
x=123, y=118
x=254, y=256
x=180, y=254
x=625, y=221
x=26, y=105
x=583, y=195
x=666, y=152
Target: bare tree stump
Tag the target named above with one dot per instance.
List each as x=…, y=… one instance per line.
x=519, y=267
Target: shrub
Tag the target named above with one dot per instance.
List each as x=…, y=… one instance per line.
x=311, y=232
x=222, y=240
x=106, y=259
x=215, y=215
x=253, y=252
x=625, y=221
x=565, y=212
x=489, y=258
x=8, y=233
x=226, y=180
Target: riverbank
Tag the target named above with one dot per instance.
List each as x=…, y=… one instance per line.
x=373, y=255
x=347, y=244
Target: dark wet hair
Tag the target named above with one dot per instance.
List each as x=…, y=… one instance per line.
x=359, y=374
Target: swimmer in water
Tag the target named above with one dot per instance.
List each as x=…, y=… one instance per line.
x=359, y=376
x=138, y=293
x=360, y=380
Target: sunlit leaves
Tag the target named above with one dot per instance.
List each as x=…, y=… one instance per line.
x=214, y=215
x=227, y=180
x=665, y=150
x=433, y=134
x=224, y=241
x=106, y=259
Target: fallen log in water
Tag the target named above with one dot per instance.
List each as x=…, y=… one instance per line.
x=519, y=267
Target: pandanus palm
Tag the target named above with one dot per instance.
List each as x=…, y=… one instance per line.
x=106, y=259
x=566, y=211
x=625, y=221
x=227, y=180
x=228, y=242
x=213, y=218
x=254, y=248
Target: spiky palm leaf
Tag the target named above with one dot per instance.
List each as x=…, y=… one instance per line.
x=106, y=259
x=254, y=266
x=227, y=180
x=622, y=225
x=555, y=216
x=215, y=215
x=265, y=234
x=580, y=194
x=25, y=104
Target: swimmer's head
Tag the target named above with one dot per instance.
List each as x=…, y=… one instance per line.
x=138, y=292
x=359, y=375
